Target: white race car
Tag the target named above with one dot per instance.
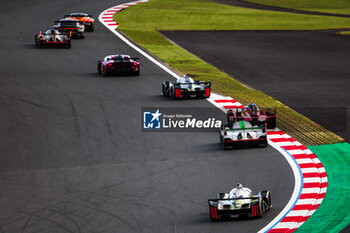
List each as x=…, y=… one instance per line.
x=242, y=133
x=240, y=201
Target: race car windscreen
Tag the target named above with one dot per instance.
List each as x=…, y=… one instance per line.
x=68, y=24
x=78, y=15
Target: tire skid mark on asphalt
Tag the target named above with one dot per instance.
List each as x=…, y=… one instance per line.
x=304, y=163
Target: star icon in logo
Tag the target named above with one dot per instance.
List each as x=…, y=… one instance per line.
x=156, y=115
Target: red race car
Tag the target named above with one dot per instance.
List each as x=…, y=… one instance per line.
x=118, y=65
x=253, y=114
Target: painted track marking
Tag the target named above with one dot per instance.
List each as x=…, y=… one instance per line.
x=310, y=176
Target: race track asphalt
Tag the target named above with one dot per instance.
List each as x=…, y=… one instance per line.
x=306, y=70
x=73, y=156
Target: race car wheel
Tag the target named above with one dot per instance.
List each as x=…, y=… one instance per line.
x=261, y=206
x=104, y=72
x=137, y=73
x=266, y=196
x=99, y=68
x=263, y=143
x=165, y=89
x=225, y=146
x=271, y=123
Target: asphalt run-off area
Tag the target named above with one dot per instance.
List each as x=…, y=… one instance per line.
x=306, y=70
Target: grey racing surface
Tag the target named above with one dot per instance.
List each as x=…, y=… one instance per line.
x=306, y=70
x=73, y=156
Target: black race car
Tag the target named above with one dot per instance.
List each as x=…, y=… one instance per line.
x=118, y=64
x=186, y=87
x=52, y=38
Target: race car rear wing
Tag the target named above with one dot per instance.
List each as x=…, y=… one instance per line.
x=215, y=201
x=274, y=110
x=235, y=199
x=242, y=129
x=196, y=82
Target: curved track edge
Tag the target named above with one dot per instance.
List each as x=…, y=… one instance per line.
x=310, y=176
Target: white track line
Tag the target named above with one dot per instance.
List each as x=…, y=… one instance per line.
x=308, y=192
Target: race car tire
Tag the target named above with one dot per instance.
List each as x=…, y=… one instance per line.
x=261, y=206
x=99, y=68
x=104, y=72
x=271, y=123
x=137, y=73
x=263, y=143
x=92, y=28
x=165, y=89
x=225, y=146
x=266, y=196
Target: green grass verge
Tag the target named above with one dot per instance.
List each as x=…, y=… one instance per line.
x=335, y=6
x=333, y=213
x=142, y=22
x=344, y=33
x=158, y=15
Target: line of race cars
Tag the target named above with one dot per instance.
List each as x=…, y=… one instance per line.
x=245, y=126
x=70, y=27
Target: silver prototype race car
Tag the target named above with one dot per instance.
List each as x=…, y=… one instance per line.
x=239, y=202
x=52, y=38
x=242, y=133
x=186, y=87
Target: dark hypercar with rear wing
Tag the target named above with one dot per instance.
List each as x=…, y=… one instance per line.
x=186, y=87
